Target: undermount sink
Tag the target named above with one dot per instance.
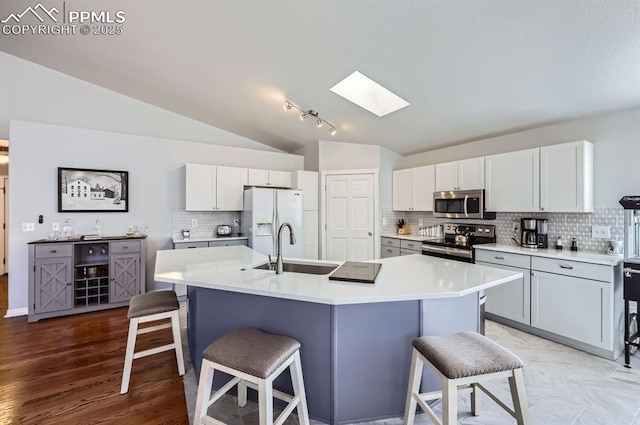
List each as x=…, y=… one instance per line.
x=301, y=267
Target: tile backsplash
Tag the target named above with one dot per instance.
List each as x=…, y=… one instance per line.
x=208, y=221
x=566, y=225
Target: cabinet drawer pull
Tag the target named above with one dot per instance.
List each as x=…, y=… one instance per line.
x=562, y=266
x=388, y=250
x=125, y=247
x=497, y=257
x=53, y=251
x=410, y=245
x=191, y=247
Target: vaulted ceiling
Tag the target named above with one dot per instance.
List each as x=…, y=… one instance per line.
x=469, y=68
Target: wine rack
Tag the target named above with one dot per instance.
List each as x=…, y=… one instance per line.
x=91, y=274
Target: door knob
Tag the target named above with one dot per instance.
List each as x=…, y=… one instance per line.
x=370, y=234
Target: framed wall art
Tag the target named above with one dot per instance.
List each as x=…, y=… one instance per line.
x=87, y=190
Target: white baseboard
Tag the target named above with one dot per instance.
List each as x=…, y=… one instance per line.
x=15, y=312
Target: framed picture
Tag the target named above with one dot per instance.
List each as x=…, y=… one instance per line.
x=86, y=190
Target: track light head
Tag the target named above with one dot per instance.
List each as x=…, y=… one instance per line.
x=319, y=122
x=304, y=116
x=287, y=106
x=332, y=131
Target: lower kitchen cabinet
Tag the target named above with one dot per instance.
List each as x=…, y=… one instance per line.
x=573, y=307
x=393, y=247
x=76, y=276
x=576, y=303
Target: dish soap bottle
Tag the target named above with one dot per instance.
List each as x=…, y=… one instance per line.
x=559, y=242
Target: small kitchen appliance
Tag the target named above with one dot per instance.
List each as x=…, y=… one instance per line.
x=631, y=205
x=223, y=230
x=535, y=233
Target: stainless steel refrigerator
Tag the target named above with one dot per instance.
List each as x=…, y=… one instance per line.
x=264, y=211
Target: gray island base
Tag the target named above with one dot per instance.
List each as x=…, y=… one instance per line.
x=355, y=338
x=355, y=357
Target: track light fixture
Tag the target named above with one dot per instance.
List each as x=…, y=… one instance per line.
x=307, y=113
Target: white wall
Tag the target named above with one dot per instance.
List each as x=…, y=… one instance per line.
x=311, y=156
x=388, y=162
x=156, y=184
x=616, y=139
x=347, y=156
x=32, y=92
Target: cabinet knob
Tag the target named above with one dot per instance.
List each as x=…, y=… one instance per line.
x=533, y=273
x=53, y=251
x=541, y=208
x=68, y=283
x=125, y=247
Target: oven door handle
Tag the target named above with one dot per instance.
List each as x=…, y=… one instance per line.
x=466, y=213
x=451, y=251
x=627, y=270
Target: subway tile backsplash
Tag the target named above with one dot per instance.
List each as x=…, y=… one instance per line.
x=566, y=225
x=208, y=221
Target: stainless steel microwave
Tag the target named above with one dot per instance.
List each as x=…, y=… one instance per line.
x=460, y=204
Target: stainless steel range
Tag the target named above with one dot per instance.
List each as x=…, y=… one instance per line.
x=458, y=241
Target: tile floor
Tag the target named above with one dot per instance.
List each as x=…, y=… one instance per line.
x=564, y=387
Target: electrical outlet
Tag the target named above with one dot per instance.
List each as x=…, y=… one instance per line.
x=194, y=222
x=515, y=226
x=384, y=221
x=420, y=222
x=28, y=227
x=236, y=222
x=55, y=226
x=600, y=232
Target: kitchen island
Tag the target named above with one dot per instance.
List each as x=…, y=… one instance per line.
x=355, y=337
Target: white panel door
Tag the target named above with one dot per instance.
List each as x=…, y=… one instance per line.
x=424, y=184
x=200, y=187
x=350, y=217
x=230, y=188
x=511, y=300
x=403, y=190
x=512, y=181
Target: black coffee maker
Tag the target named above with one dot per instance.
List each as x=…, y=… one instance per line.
x=534, y=232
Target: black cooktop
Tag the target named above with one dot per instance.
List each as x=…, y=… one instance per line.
x=356, y=271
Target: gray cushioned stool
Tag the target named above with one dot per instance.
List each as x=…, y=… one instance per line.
x=463, y=359
x=255, y=359
x=148, y=308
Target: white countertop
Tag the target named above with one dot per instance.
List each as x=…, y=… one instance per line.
x=565, y=254
x=409, y=237
x=208, y=239
x=410, y=277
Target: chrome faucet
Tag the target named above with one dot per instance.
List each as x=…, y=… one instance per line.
x=292, y=240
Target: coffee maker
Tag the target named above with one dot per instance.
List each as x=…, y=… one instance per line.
x=534, y=233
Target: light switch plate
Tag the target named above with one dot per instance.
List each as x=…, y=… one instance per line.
x=28, y=227
x=55, y=226
x=384, y=221
x=420, y=222
x=194, y=222
x=600, y=232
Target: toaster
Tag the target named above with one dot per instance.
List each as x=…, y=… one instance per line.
x=223, y=230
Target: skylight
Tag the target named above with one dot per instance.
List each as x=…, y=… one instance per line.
x=368, y=94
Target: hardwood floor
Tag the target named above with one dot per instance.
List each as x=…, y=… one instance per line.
x=68, y=370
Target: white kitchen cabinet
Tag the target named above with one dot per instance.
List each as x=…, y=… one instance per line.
x=310, y=232
x=413, y=189
x=273, y=178
x=566, y=177
x=513, y=181
x=307, y=181
x=467, y=174
x=214, y=188
x=573, y=307
x=510, y=300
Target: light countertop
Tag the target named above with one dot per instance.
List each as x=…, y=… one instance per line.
x=404, y=278
x=209, y=239
x=409, y=237
x=565, y=254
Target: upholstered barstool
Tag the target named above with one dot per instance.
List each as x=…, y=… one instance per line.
x=463, y=360
x=254, y=359
x=150, y=307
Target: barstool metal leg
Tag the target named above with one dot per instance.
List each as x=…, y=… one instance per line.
x=204, y=391
x=177, y=340
x=298, y=389
x=128, y=358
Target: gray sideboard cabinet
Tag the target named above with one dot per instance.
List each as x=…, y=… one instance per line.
x=76, y=276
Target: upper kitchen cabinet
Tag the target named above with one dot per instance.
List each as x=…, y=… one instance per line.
x=307, y=181
x=513, y=181
x=413, y=189
x=268, y=178
x=467, y=174
x=566, y=177
x=214, y=188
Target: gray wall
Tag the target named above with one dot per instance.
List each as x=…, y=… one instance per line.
x=156, y=175
x=616, y=139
